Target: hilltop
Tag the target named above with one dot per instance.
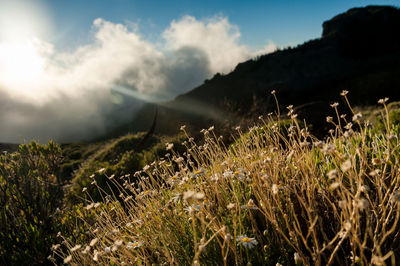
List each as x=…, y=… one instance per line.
x=359, y=51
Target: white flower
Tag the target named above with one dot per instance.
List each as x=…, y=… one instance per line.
x=383, y=101
x=107, y=250
x=250, y=205
x=344, y=92
x=134, y=244
x=96, y=255
x=296, y=258
x=346, y=166
x=169, y=146
x=75, y=248
x=193, y=195
x=332, y=174
x=334, y=186
x=93, y=242
x=357, y=117
x=230, y=206
x=328, y=148
x=102, y=170
x=275, y=189
x=68, y=259
x=247, y=242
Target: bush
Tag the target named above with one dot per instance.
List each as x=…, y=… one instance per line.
x=30, y=195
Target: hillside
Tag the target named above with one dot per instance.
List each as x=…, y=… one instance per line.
x=359, y=51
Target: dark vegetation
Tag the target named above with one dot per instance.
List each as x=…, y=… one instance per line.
x=41, y=185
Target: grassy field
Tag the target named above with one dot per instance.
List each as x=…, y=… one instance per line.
x=276, y=196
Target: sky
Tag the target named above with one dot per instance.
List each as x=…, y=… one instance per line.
x=71, y=70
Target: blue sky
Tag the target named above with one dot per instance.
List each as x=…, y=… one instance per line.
x=284, y=22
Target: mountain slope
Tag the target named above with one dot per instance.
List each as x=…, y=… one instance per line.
x=359, y=51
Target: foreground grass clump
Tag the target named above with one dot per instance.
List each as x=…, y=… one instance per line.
x=270, y=198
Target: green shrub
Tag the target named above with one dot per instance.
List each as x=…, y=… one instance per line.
x=30, y=193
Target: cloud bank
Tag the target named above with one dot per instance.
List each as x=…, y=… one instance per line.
x=82, y=94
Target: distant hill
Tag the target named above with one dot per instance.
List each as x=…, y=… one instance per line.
x=359, y=51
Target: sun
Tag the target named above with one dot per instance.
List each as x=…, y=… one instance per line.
x=20, y=65
x=21, y=59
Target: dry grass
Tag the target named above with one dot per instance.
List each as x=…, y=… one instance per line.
x=277, y=195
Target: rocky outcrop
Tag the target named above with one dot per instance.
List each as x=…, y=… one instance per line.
x=365, y=31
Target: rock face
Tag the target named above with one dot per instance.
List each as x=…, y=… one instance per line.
x=373, y=29
x=359, y=51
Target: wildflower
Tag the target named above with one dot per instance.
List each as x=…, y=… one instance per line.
x=383, y=101
x=94, y=182
x=362, y=204
x=215, y=178
x=318, y=144
x=357, y=117
x=275, y=189
x=346, y=166
x=111, y=177
x=348, y=126
x=250, y=205
x=102, y=170
x=247, y=242
x=230, y=206
x=107, y=250
x=375, y=172
x=75, y=248
x=128, y=198
x=239, y=174
x=344, y=92
x=193, y=195
x=332, y=174
x=169, y=146
x=183, y=127
x=329, y=119
x=335, y=104
x=237, y=128
x=334, y=186
x=198, y=173
x=179, y=160
x=134, y=244
x=192, y=209
x=211, y=128
x=86, y=250
x=328, y=148
x=68, y=259
x=273, y=92
x=55, y=247
x=84, y=189
x=88, y=207
x=342, y=204
x=96, y=205
x=96, y=255
x=93, y=242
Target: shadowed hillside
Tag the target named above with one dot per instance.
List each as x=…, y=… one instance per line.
x=359, y=51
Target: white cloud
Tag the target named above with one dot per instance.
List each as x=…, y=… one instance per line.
x=72, y=94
